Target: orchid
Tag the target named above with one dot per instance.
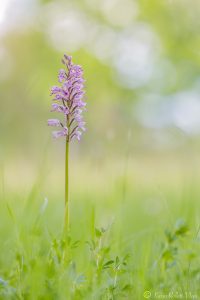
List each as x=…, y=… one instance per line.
x=68, y=99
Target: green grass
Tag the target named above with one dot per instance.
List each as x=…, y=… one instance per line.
x=125, y=240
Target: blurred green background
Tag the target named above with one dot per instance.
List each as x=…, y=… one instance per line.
x=142, y=68
x=136, y=170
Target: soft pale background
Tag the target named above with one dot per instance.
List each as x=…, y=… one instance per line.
x=142, y=66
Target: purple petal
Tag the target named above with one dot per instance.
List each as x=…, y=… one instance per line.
x=61, y=133
x=54, y=122
x=62, y=75
x=81, y=103
x=78, y=135
x=55, y=89
x=60, y=108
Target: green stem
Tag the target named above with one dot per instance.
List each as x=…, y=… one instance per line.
x=67, y=187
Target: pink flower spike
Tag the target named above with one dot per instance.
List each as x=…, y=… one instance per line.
x=69, y=99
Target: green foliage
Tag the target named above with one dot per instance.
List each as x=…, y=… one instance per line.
x=41, y=265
